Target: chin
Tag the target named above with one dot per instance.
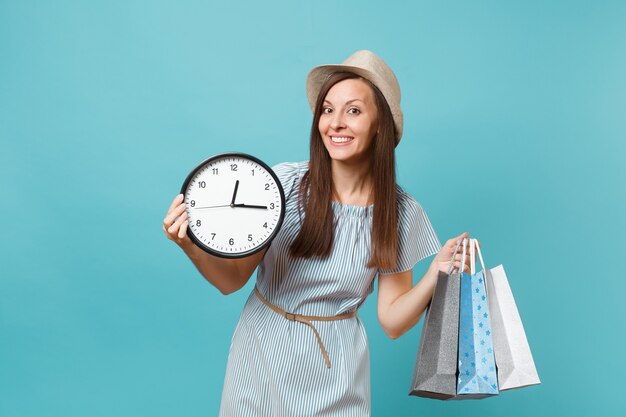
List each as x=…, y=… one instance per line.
x=339, y=157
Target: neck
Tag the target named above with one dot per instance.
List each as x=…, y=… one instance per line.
x=352, y=183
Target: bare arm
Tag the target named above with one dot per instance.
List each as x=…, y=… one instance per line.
x=227, y=275
x=400, y=304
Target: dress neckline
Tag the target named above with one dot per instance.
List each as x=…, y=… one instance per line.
x=347, y=209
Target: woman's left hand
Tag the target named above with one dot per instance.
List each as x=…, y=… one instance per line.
x=444, y=257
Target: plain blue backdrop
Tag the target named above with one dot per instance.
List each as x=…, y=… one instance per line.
x=515, y=131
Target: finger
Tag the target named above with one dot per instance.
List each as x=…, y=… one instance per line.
x=456, y=240
x=463, y=235
x=459, y=256
x=168, y=234
x=171, y=216
x=182, y=232
x=451, y=243
x=177, y=200
x=457, y=265
x=466, y=267
x=173, y=229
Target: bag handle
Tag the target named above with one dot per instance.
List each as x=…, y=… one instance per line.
x=472, y=257
x=475, y=247
x=456, y=250
x=464, y=253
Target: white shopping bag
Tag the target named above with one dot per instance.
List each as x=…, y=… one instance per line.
x=514, y=361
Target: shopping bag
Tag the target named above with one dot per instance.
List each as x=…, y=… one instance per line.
x=435, y=369
x=477, y=366
x=515, y=364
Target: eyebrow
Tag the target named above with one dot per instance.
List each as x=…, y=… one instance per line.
x=347, y=102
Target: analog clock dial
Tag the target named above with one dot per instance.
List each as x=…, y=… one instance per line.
x=235, y=205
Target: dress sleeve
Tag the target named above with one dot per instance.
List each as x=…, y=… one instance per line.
x=289, y=175
x=417, y=237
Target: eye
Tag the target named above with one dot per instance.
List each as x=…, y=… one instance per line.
x=354, y=110
x=326, y=110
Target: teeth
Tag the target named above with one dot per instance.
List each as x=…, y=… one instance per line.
x=341, y=139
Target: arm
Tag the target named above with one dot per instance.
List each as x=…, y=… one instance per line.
x=400, y=304
x=227, y=275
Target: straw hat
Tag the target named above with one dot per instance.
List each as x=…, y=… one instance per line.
x=370, y=66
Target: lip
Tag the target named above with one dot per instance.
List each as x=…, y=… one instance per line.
x=340, y=144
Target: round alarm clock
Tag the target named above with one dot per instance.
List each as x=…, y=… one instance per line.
x=235, y=205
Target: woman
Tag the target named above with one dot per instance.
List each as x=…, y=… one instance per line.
x=299, y=349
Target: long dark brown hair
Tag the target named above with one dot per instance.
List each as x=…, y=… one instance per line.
x=315, y=238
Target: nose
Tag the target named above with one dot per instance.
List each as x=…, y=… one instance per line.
x=337, y=122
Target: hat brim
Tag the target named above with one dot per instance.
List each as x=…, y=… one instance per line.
x=318, y=76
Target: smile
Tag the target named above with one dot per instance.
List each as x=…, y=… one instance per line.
x=341, y=139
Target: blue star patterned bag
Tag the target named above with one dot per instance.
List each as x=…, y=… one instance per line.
x=477, y=368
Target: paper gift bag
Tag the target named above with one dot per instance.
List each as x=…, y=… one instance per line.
x=515, y=364
x=435, y=369
x=477, y=366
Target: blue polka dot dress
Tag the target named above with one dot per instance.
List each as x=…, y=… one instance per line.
x=275, y=366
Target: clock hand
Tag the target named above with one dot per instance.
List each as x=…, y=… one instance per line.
x=232, y=202
x=249, y=206
x=240, y=205
x=205, y=207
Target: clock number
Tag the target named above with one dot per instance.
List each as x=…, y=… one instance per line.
x=212, y=236
x=249, y=238
x=193, y=203
x=215, y=171
x=233, y=167
x=231, y=242
x=267, y=186
x=202, y=184
x=253, y=173
x=271, y=206
x=265, y=225
x=198, y=223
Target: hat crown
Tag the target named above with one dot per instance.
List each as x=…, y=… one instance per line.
x=371, y=62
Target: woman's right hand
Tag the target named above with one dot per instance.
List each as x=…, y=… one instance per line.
x=175, y=223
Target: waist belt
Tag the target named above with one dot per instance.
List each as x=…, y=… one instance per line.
x=307, y=320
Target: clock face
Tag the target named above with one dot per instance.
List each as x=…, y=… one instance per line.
x=235, y=205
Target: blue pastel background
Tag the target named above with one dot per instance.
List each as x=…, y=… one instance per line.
x=515, y=131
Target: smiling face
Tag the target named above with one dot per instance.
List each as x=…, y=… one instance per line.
x=349, y=121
